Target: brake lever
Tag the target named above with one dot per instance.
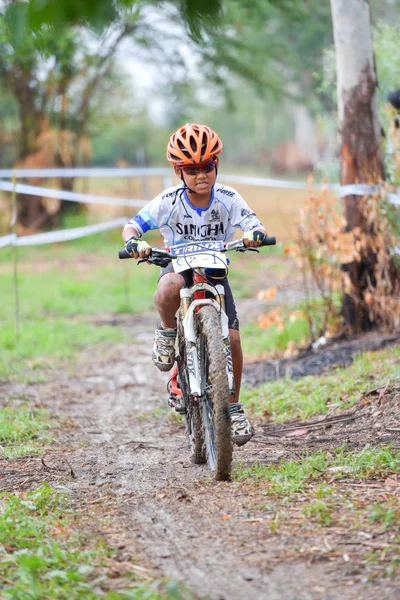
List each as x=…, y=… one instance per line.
x=158, y=261
x=243, y=249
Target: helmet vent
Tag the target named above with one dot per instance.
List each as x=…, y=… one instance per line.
x=182, y=148
x=193, y=143
x=204, y=143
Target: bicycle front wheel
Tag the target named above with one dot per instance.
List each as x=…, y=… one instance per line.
x=193, y=421
x=215, y=396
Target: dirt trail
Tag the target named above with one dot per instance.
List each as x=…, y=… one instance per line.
x=127, y=449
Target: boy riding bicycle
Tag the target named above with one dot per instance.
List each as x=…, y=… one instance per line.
x=198, y=210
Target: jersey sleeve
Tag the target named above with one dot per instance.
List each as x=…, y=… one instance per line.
x=149, y=217
x=242, y=216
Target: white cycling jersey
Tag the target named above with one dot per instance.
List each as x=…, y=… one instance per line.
x=179, y=221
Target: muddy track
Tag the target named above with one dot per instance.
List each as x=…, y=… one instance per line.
x=126, y=448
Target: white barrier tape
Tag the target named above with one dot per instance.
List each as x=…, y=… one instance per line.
x=358, y=189
x=33, y=190
x=393, y=199
x=140, y=172
x=76, y=172
x=66, y=235
x=362, y=189
x=7, y=240
x=262, y=182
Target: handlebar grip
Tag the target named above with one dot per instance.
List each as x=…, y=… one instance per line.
x=124, y=254
x=269, y=241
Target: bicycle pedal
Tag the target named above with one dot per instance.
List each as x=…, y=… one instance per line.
x=174, y=403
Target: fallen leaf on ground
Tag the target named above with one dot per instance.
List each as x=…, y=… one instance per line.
x=392, y=482
x=267, y=294
x=253, y=520
x=297, y=433
x=344, y=469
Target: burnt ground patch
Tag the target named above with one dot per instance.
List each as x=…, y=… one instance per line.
x=337, y=352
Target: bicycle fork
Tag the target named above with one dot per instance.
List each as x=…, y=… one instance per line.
x=190, y=305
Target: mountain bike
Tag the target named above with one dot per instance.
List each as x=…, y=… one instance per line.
x=201, y=381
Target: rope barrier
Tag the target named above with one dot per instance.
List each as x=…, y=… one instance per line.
x=7, y=240
x=43, y=192
x=62, y=235
x=88, y=172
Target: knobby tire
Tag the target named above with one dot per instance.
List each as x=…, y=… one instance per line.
x=193, y=420
x=215, y=397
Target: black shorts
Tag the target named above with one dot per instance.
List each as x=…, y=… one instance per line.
x=233, y=320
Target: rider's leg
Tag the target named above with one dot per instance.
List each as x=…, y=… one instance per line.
x=237, y=359
x=242, y=430
x=167, y=298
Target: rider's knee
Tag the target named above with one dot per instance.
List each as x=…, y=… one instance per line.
x=168, y=289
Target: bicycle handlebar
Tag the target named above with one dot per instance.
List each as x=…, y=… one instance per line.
x=269, y=241
x=161, y=256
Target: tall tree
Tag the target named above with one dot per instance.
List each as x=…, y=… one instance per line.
x=361, y=155
x=54, y=54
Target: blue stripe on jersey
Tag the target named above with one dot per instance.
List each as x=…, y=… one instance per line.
x=145, y=221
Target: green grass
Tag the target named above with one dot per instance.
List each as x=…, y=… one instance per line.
x=68, y=290
x=320, y=512
x=43, y=342
x=386, y=514
x=43, y=556
x=294, y=327
x=58, y=285
x=23, y=431
x=273, y=341
x=287, y=399
x=292, y=476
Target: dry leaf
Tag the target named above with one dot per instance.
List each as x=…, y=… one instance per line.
x=291, y=349
x=267, y=294
x=297, y=433
x=253, y=520
x=271, y=318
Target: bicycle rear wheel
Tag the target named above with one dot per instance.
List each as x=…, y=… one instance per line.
x=215, y=396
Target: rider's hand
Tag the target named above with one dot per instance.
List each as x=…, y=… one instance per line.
x=253, y=238
x=137, y=248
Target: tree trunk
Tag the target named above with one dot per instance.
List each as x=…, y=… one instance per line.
x=31, y=212
x=361, y=156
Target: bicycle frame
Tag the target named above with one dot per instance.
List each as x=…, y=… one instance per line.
x=192, y=299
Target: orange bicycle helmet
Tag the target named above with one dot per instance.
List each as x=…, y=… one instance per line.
x=193, y=144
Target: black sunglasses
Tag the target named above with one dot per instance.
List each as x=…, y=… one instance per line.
x=207, y=168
